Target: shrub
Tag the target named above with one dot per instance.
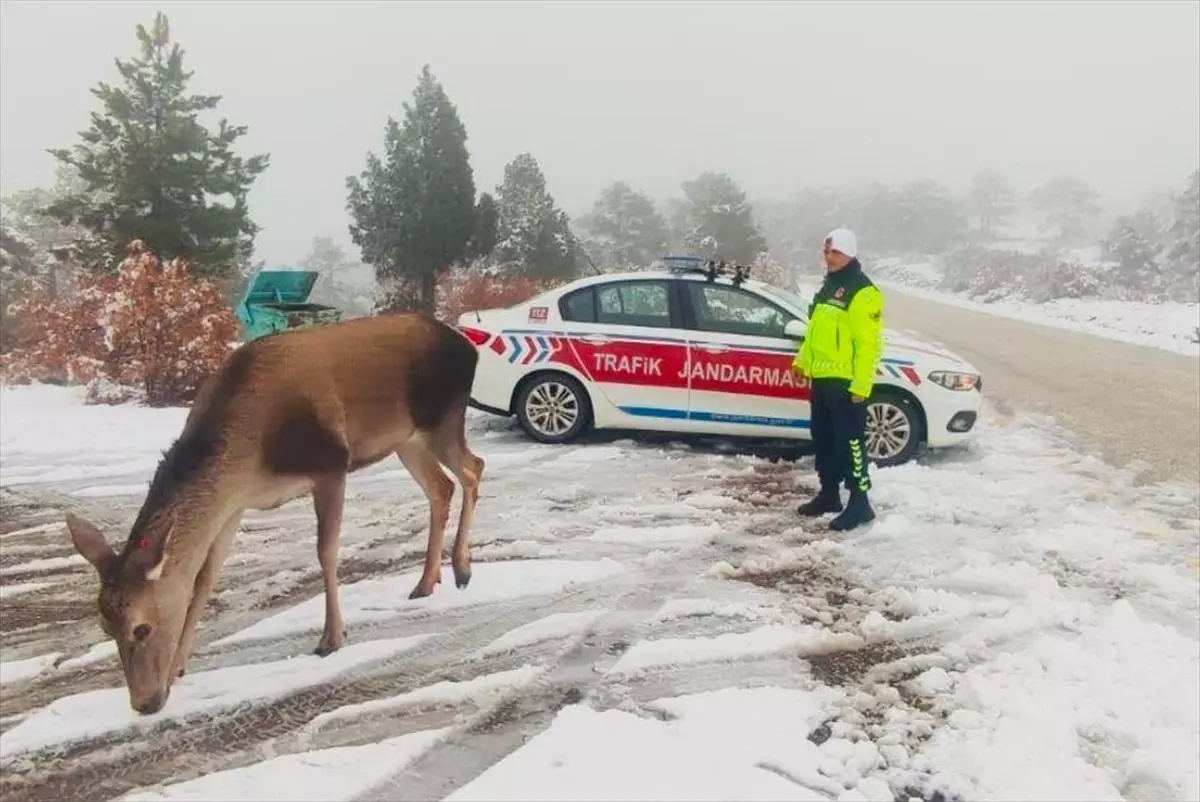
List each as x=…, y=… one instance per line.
x=148, y=326
x=474, y=288
x=991, y=274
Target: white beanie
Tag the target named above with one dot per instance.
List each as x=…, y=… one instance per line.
x=844, y=241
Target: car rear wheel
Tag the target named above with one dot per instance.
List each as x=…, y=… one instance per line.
x=894, y=429
x=553, y=408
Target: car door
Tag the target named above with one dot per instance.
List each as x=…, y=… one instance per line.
x=740, y=363
x=626, y=336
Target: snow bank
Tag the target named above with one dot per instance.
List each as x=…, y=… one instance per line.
x=94, y=714
x=322, y=775
x=733, y=744
x=387, y=597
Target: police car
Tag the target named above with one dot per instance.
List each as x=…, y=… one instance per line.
x=696, y=347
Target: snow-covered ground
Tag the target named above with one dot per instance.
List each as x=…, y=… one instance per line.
x=644, y=622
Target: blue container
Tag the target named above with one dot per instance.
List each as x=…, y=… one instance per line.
x=277, y=300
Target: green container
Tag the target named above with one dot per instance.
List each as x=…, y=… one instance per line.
x=277, y=300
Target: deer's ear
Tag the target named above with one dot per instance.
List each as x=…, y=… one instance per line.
x=89, y=542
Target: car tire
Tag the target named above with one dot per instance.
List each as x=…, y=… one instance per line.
x=895, y=429
x=553, y=408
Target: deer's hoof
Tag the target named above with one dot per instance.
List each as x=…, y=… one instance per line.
x=328, y=645
x=420, y=592
x=462, y=580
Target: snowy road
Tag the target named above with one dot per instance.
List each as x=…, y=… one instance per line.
x=644, y=622
x=1126, y=402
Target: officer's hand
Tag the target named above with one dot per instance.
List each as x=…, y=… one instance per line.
x=798, y=371
x=857, y=399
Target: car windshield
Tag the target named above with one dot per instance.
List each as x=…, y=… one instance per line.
x=797, y=302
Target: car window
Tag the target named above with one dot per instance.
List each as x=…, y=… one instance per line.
x=634, y=303
x=720, y=308
x=795, y=299
x=579, y=306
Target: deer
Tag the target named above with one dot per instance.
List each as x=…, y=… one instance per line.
x=287, y=416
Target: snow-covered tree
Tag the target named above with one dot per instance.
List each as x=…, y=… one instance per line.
x=1067, y=205
x=624, y=228
x=1132, y=248
x=1182, y=256
x=720, y=220
x=991, y=200
x=534, y=236
x=413, y=209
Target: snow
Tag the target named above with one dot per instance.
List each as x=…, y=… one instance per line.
x=381, y=599
x=616, y=755
x=98, y=653
x=767, y=640
x=321, y=775
x=479, y=690
x=1042, y=612
x=552, y=627
x=21, y=670
x=97, y=713
x=44, y=564
x=9, y=591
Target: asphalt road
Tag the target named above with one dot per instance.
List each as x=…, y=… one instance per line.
x=1124, y=403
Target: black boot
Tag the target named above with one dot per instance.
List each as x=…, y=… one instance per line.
x=828, y=500
x=858, y=512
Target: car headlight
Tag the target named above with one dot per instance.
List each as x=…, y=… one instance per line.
x=954, y=381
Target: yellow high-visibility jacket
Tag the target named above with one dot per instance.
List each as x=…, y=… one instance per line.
x=845, y=330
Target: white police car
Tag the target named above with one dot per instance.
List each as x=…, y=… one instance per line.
x=696, y=348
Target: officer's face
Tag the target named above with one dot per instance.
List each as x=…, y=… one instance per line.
x=834, y=260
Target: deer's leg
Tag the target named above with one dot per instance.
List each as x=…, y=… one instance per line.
x=451, y=450
x=329, y=498
x=439, y=489
x=201, y=590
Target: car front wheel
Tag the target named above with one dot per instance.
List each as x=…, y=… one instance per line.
x=553, y=408
x=894, y=429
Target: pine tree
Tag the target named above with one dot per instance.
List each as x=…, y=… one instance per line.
x=487, y=221
x=535, y=237
x=153, y=172
x=720, y=220
x=991, y=200
x=1067, y=205
x=625, y=228
x=1129, y=246
x=1183, y=252
x=413, y=210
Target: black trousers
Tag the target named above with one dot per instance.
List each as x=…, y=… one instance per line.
x=839, y=435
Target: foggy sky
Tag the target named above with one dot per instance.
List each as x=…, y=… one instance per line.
x=779, y=94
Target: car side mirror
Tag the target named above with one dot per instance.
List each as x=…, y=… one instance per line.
x=795, y=329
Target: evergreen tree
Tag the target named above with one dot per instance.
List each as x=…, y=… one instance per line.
x=625, y=228
x=487, y=220
x=413, y=210
x=1067, y=205
x=535, y=237
x=1130, y=246
x=991, y=200
x=720, y=220
x=1183, y=250
x=153, y=172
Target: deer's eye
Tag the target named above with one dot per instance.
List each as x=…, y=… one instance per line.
x=141, y=631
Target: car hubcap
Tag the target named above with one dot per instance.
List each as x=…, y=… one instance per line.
x=888, y=430
x=552, y=409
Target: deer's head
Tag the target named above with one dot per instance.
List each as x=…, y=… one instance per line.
x=140, y=609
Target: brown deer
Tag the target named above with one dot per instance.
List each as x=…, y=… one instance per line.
x=287, y=415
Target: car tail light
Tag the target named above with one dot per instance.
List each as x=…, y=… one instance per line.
x=477, y=337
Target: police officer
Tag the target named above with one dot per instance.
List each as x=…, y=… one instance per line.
x=839, y=356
